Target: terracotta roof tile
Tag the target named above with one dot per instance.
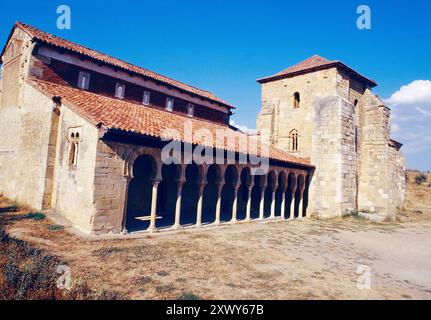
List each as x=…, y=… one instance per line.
x=76, y=48
x=148, y=121
x=311, y=64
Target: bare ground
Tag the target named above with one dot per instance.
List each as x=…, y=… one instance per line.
x=310, y=259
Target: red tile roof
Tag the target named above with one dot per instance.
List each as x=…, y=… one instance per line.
x=58, y=42
x=147, y=121
x=312, y=64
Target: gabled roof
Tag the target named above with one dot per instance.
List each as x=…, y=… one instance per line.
x=58, y=42
x=147, y=121
x=312, y=64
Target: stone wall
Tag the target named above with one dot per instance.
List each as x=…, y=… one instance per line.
x=333, y=188
x=345, y=129
x=110, y=183
x=24, y=137
x=73, y=192
x=278, y=117
x=34, y=149
x=397, y=178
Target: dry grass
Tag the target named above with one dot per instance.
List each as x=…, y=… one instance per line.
x=285, y=260
x=418, y=199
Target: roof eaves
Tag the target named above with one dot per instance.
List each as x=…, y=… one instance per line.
x=331, y=64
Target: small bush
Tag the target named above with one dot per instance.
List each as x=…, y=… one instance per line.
x=55, y=227
x=12, y=208
x=104, y=294
x=164, y=289
x=107, y=252
x=144, y=280
x=188, y=296
x=32, y=215
x=420, y=178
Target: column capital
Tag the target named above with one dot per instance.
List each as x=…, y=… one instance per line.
x=156, y=181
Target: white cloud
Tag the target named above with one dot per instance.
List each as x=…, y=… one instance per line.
x=411, y=113
x=242, y=127
x=395, y=127
x=417, y=92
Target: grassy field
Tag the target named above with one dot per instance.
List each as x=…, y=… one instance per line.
x=311, y=259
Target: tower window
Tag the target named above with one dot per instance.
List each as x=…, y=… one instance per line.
x=119, y=90
x=293, y=140
x=356, y=102
x=84, y=80
x=146, y=98
x=190, y=110
x=169, y=104
x=296, y=100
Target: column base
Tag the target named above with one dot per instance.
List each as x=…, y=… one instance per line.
x=152, y=229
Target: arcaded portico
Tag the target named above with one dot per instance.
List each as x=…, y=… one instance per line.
x=177, y=195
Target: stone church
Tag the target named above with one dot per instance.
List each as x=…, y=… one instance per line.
x=85, y=135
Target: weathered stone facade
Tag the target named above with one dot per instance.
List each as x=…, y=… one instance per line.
x=345, y=129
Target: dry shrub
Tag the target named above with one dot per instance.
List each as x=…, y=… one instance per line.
x=29, y=273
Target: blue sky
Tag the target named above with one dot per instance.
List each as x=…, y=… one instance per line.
x=224, y=46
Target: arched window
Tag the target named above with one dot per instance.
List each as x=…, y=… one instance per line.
x=355, y=103
x=119, y=90
x=190, y=110
x=170, y=104
x=83, y=80
x=74, y=140
x=146, y=99
x=293, y=140
x=296, y=100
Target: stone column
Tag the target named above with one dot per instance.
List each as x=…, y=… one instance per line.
x=235, y=204
x=218, y=204
x=152, y=226
x=199, y=206
x=262, y=203
x=301, y=204
x=126, y=196
x=292, y=205
x=283, y=204
x=177, y=223
x=283, y=200
x=248, y=210
x=272, y=216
